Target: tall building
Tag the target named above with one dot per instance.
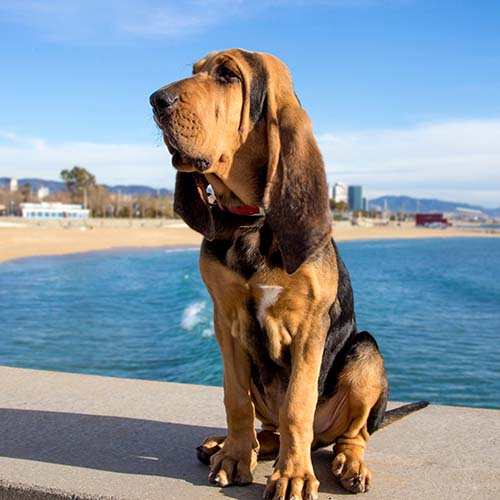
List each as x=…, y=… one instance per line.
x=355, y=197
x=339, y=192
x=13, y=185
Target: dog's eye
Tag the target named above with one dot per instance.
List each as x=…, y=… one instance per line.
x=225, y=75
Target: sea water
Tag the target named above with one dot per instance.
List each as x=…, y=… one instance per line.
x=432, y=304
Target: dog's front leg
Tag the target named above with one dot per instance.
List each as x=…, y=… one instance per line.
x=293, y=475
x=234, y=463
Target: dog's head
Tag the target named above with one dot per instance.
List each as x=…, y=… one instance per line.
x=237, y=124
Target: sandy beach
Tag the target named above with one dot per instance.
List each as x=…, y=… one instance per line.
x=19, y=239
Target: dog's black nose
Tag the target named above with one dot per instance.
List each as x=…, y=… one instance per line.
x=163, y=99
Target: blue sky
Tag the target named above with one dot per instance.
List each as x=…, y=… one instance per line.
x=404, y=95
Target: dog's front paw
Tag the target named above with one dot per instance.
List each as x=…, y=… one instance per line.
x=232, y=465
x=351, y=471
x=292, y=483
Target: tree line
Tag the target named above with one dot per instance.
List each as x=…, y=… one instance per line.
x=83, y=189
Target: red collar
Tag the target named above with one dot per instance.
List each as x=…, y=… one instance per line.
x=244, y=210
x=247, y=210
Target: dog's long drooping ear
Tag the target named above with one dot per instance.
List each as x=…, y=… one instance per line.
x=190, y=202
x=296, y=197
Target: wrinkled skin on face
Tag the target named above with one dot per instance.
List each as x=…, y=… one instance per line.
x=207, y=128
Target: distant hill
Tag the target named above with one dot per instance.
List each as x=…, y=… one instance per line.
x=138, y=190
x=394, y=203
x=423, y=205
x=55, y=186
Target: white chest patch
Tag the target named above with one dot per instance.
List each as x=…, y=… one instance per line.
x=270, y=294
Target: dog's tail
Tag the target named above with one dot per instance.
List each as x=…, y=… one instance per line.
x=392, y=416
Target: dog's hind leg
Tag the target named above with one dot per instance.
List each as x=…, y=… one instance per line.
x=356, y=409
x=209, y=447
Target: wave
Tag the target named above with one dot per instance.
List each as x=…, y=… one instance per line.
x=193, y=315
x=208, y=332
x=181, y=249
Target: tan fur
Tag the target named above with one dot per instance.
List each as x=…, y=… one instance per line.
x=273, y=163
x=298, y=318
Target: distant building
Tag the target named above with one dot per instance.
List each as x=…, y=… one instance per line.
x=470, y=215
x=365, y=205
x=431, y=220
x=339, y=192
x=42, y=192
x=13, y=185
x=355, y=198
x=53, y=211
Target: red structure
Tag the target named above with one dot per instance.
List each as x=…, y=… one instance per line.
x=431, y=220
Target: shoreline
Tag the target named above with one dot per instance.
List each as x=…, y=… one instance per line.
x=20, y=240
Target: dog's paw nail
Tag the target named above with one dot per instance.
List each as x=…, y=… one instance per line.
x=356, y=484
x=221, y=481
x=242, y=480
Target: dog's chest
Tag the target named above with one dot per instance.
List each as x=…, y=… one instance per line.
x=252, y=297
x=267, y=298
x=255, y=314
x=263, y=309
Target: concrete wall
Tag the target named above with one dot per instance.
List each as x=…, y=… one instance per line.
x=65, y=436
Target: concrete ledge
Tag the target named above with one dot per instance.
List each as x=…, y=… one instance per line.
x=65, y=436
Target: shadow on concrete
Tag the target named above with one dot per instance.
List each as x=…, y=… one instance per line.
x=124, y=445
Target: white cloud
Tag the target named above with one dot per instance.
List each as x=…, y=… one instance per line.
x=173, y=19
x=456, y=160
x=110, y=163
x=95, y=22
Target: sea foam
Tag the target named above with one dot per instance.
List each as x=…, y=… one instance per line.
x=193, y=315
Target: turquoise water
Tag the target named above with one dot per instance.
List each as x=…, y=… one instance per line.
x=433, y=305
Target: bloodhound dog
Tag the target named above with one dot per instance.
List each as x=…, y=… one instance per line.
x=251, y=180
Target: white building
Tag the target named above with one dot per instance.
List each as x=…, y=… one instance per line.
x=13, y=185
x=339, y=192
x=53, y=211
x=42, y=192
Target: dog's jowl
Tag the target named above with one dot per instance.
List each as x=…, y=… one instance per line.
x=250, y=178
